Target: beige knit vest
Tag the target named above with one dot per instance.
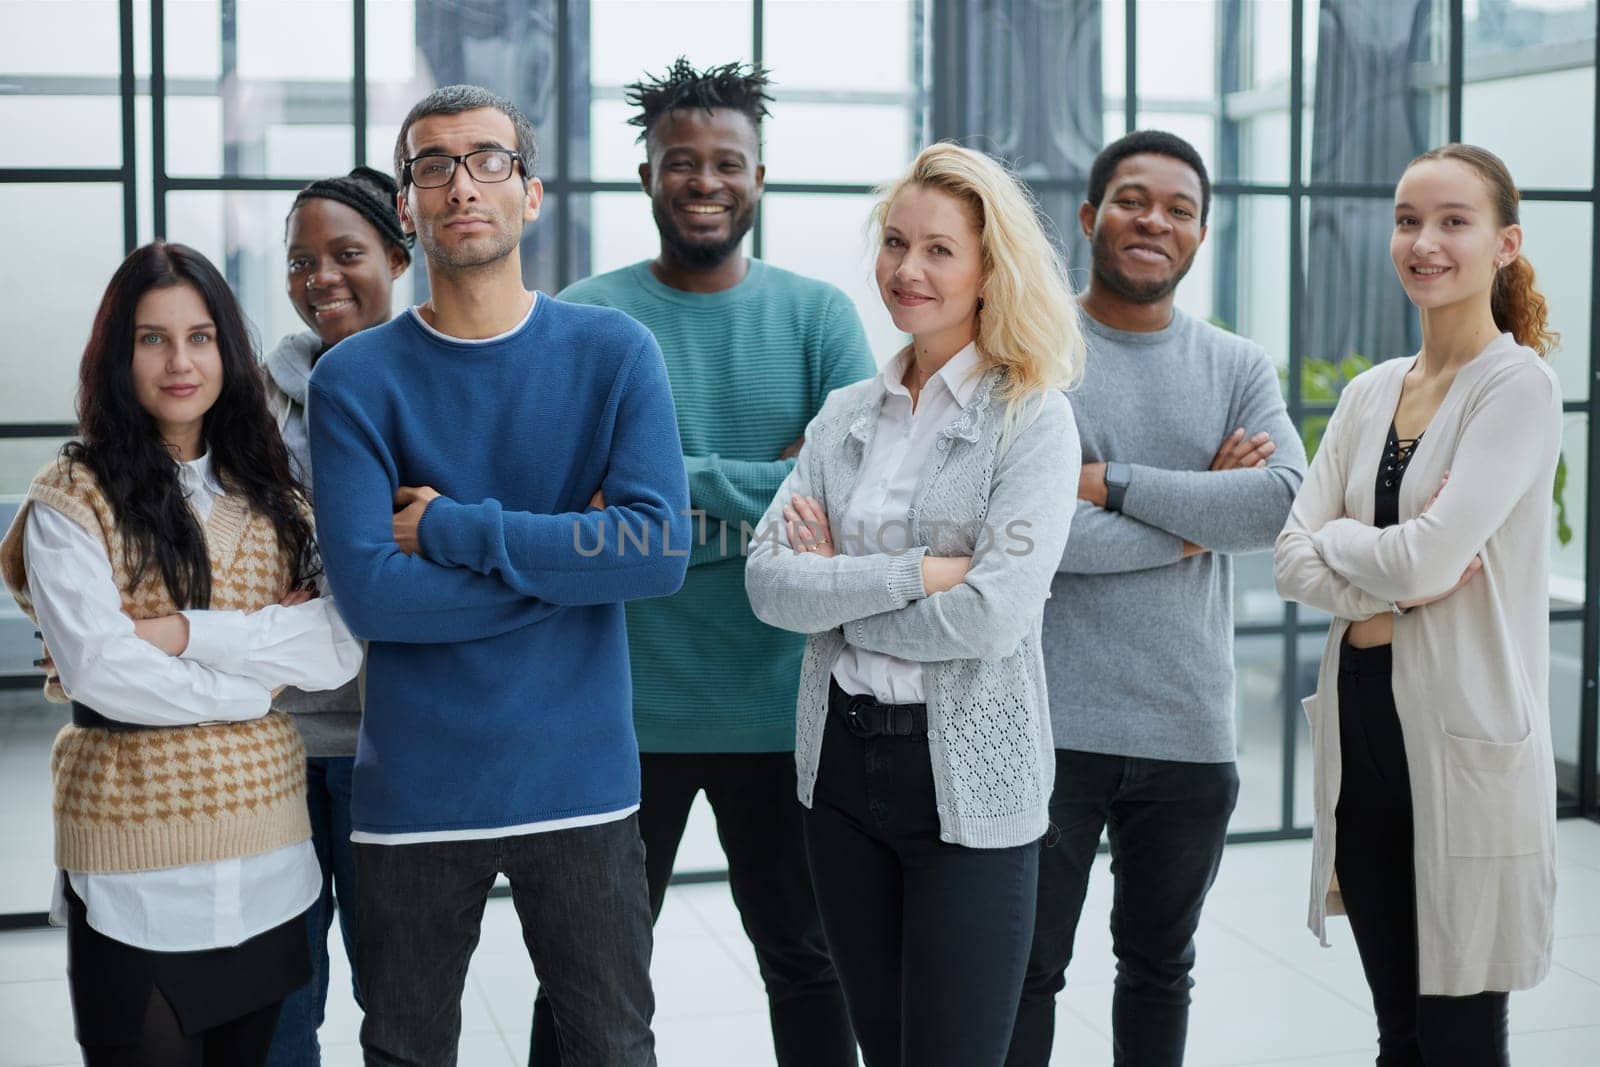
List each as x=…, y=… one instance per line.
x=139, y=800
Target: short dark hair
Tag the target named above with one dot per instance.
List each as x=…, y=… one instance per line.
x=453, y=100
x=738, y=86
x=1147, y=142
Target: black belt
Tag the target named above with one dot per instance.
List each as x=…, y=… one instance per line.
x=864, y=716
x=84, y=715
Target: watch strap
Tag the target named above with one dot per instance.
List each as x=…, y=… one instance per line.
x=1118, y=475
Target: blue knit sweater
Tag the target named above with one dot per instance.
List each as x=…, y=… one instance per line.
x=497, y=679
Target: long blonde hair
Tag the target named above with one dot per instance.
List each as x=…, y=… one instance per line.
x=1028, y=319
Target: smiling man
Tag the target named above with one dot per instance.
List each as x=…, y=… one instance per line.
x=751, y=351
x=1189, y=457
x=457, y=449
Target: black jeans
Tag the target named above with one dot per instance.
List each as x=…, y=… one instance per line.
x=1374, y=860
x=930, y=939
x=758, y=823
x=1167, y=822
x=580, y=894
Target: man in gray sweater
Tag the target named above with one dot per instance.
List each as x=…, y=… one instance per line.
x=1188, y=457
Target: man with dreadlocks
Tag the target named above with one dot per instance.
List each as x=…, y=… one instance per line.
x=751, y=353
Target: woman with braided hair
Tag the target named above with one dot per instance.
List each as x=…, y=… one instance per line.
x=345, y=249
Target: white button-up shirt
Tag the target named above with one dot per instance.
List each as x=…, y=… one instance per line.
x=227, y=673
x=878, y=516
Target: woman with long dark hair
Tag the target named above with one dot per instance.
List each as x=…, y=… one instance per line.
x=166, y=556
x=344, y=249
x=1423, y=527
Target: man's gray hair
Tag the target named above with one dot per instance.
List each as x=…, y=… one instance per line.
x=453, y=100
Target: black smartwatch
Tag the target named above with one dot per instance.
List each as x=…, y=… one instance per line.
x=1118, y=475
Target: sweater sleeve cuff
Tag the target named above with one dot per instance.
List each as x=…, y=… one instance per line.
x=444, y=533
x=905, y=575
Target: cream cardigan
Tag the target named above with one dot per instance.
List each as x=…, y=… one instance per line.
x=1471, y=672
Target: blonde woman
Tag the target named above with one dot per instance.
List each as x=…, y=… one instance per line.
x=914, y=543
x=1424, y=529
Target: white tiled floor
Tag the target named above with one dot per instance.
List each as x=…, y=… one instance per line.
x=1266, y=994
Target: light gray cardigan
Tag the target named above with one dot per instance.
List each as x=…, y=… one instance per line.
x=1471, y=671
x=983, y=671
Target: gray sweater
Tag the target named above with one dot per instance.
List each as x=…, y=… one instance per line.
x=329, y=722
x=983, y=672
x=1138, y=641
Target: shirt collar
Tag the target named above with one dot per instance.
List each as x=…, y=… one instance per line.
x=196, y=474
x=960, y=375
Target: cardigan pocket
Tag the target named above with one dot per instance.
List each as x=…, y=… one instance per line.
x=1492, y=794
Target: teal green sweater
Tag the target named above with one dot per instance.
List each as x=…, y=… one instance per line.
x=749, y=367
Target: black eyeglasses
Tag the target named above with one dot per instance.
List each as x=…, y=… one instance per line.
x=435, y=170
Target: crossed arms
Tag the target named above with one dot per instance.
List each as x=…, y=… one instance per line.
x=1238, y=504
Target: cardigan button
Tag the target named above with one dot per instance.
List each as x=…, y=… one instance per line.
x=947, y=837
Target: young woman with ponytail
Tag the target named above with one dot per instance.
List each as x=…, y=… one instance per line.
x=1423, y=527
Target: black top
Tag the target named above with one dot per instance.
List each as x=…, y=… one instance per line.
x=1397, y=453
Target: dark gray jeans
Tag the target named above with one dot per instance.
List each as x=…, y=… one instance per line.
x=585, y=914
x=1167, y=822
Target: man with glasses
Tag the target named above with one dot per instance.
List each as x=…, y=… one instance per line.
x=497, y=471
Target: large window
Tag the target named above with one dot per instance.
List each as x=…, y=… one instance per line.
x=197, y=120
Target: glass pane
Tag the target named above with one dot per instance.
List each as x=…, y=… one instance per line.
x=855, y=117
x=257, y=94
x=1259, y=711
x=35, y=128
x=629, y=39
x=1045, y=82
x=1255, y=597
x=1356, y=312
x=57, y=38
x=1557, y=239
x=72, y=249
x=1520, y=55
x=839, y=142
x=1377, y=83
x=59, y=65
x=1568, y=538
x=1254, y=91
x=1249, y=236
x=397, y=75
x=804, y=49
x=1308, y=658
x=1566, y=704
x=824, y=236
x=1177, y=53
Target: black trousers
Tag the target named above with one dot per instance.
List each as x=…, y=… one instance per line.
x=758, y=824
x=213, y=1008
x=1167, y=822
x=930, y=938
x=1374, y=860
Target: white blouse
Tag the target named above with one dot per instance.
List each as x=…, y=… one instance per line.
x=226, y=674
x=877, y=518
